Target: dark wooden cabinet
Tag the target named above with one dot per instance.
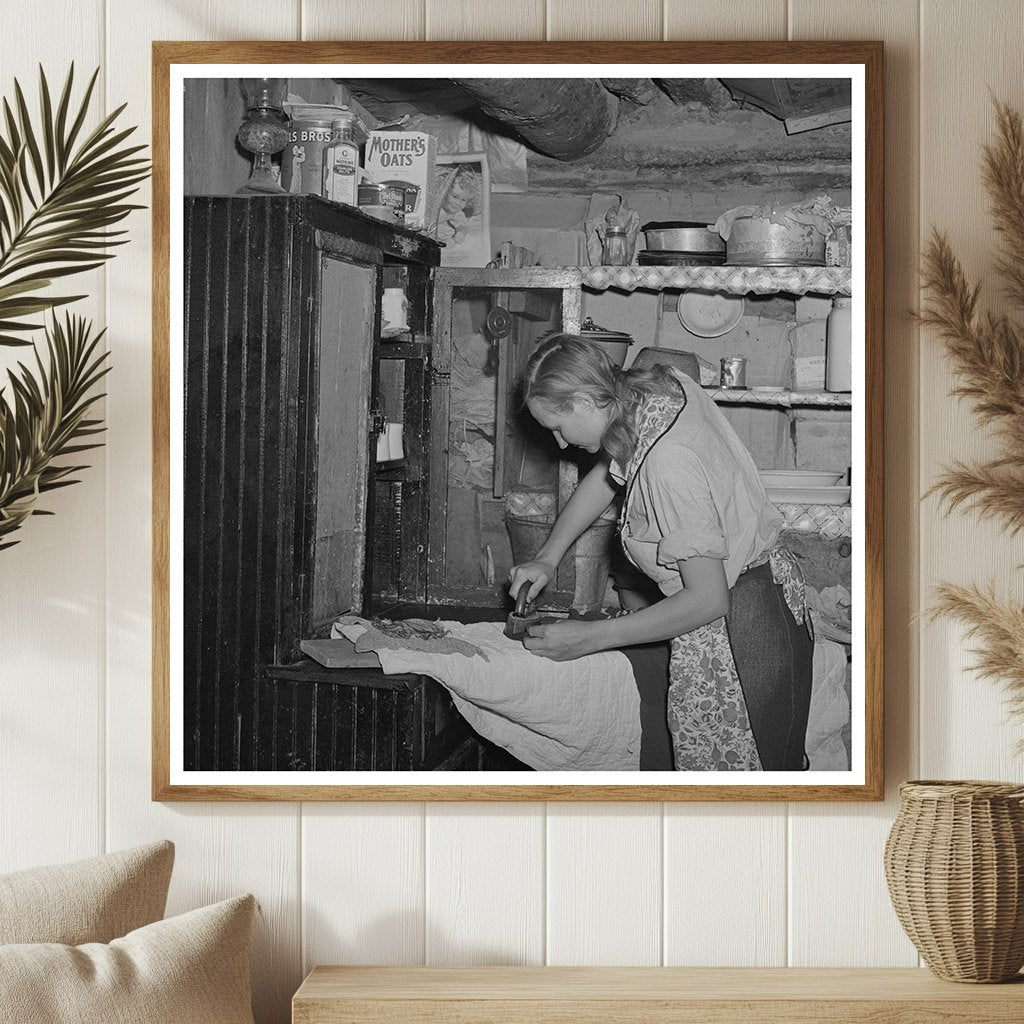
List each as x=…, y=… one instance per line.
x=290, y=520
x=321, y=719
x=281, y=326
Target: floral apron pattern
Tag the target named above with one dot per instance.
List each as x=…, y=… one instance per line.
x=707, y=714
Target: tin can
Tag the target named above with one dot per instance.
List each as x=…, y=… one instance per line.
x=373, y=194
x=410, y=194
x=734, y=372
x=302, y=160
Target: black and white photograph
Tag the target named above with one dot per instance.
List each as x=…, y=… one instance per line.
x=519, y=428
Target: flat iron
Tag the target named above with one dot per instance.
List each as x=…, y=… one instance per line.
x=523, y=616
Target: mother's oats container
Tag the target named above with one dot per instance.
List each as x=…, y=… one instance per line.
x=405, y=161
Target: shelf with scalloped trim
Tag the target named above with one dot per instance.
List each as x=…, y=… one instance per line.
x=731, y=280
x=783, y=398
x=829, y=522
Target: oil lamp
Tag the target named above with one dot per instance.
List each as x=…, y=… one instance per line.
x=263, y=132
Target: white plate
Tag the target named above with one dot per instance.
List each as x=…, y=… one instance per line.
x=809, y=495
x=709, y=314
x=799, y=477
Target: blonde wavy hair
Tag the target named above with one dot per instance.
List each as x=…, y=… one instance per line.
x=565, y=366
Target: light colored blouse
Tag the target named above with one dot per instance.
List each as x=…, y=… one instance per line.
x=692, y=489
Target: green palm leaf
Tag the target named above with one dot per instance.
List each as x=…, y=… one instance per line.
x=46, y=419
x=61, y=192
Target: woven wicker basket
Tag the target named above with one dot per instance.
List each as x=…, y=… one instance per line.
x=954, y=861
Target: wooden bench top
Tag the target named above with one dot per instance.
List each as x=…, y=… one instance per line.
x=624, y=995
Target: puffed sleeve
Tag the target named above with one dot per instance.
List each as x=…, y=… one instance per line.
x=681, y=514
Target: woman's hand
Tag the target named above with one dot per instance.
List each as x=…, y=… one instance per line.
x=537, y=573
x=566, y=640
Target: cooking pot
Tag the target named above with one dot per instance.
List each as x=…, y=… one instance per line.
x=682, y=236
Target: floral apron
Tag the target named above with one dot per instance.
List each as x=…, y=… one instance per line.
x=707, y=714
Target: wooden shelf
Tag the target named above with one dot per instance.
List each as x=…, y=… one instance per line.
x=306, y=670
x=781, y=399
x=732, y=280
x=659, y=995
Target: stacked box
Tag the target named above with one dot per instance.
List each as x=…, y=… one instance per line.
x=406, y=160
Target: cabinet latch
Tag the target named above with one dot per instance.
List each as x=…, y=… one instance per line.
x=377, y=421
x=442, y=377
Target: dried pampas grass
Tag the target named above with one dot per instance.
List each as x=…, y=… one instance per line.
x=993, y=490
x=987, y=354
x=997, y=629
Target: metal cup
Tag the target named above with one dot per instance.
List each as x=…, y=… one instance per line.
x=734, y=372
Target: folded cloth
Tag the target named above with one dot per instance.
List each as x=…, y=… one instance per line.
x=407, y=635
x=581, y=715
x=829, y=714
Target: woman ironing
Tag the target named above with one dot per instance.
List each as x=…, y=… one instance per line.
x=695, y=519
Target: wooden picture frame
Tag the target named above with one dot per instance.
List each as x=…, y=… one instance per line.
x=860, y=62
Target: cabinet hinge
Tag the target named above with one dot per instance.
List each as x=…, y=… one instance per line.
x=440, y=377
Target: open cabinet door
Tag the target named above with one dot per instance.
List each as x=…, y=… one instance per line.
x=346, y=327
x=497, y=479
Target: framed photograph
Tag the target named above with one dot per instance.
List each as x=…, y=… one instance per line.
x=517, y=421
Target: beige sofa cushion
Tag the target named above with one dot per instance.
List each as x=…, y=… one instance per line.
x=190, y=969
x=92, y=900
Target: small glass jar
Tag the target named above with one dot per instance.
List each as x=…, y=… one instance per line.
x=614, y=253
x=341, y=164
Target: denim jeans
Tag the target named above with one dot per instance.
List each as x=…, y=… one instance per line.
x=774, y=656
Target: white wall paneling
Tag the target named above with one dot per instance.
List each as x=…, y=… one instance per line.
x=485, y=19
x=828, y=862
x=52, y=595
x=605, y=884
x=725, y=19
x=725, y=885
x=363, y=892
x=510, y=883
x=356, y=19
x=964, y=730
x=604, y=19
x=485, y=883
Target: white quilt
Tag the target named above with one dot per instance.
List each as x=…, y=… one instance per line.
x=581, y=715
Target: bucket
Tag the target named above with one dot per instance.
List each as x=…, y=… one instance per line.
x=616, y=351
x=593, y=553
x=616, y=343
